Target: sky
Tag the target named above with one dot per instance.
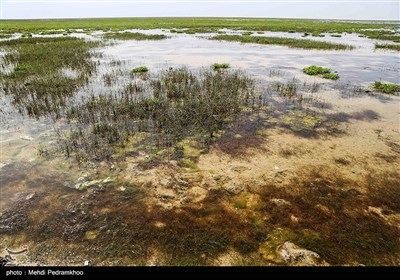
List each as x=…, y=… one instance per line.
x=322, y=9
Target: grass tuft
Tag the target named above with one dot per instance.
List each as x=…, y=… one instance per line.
x=22, y=68
x=330, y=76
x=134, y=36
x=387, y=88
x=140, y=69
x=388, y=47
x=219, y=66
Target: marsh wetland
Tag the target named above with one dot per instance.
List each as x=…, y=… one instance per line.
x=200, y=142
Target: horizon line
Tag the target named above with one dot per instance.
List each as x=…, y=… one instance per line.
x=213, y=17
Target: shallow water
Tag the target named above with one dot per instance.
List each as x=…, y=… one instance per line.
x=356, y=114
x=359, y=67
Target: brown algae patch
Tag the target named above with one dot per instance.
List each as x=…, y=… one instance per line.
x=316, y=211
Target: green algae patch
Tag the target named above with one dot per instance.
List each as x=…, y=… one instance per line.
x=299, y=120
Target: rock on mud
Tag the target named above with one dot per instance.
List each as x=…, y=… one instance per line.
x=280, y=202
x=87, y=184
x=297, y=256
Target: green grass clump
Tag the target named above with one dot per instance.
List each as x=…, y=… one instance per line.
x=247, y=33
x=336, y=35
x=22, y=68
x=320, y=71
x=316, y=70
x=140, y=69
x=387, y=35
x=290, y=42
x=388, y=47
x=330, y=76
x=51, y=32
x=134, y=36
x=387, y=88
x=198, y=30
x=219, y=66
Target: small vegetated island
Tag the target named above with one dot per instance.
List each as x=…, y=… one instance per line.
x=320, y=71
x=199, y=141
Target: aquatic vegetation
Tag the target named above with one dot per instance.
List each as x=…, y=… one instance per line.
x=178, y=105
x=219, y=66
x=298, y=120
x=275, y=73
x=199, y=30
x=290, y=42
x=336, y=35
x=316, y=70
x=37, y=85
x=287, y=90
x=52, y=32
x=388, y=46
x=320, y=71
x=247, y=33
x=140, y=69
x=387, y=88
x=134, y=36
x=109, y=78
x=330, y=76
x=387, y=35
